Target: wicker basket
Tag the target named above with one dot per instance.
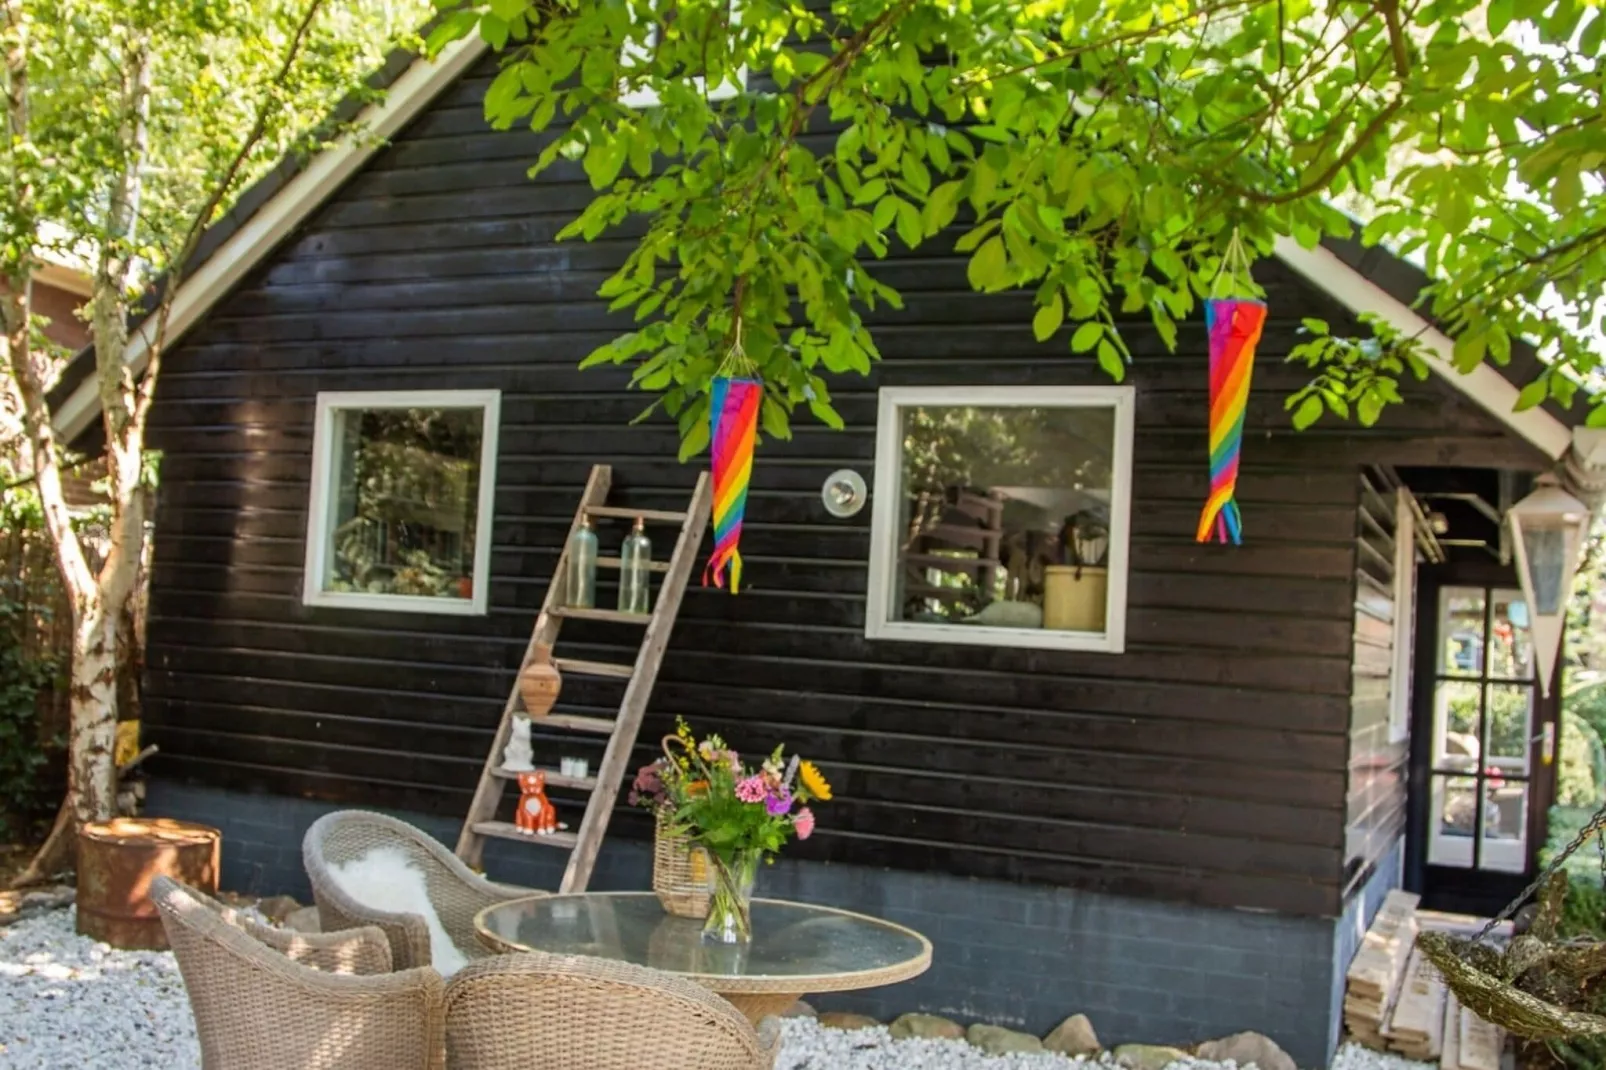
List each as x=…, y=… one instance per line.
x=679, y=874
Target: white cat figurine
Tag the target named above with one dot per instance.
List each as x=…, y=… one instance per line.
x=516, y=755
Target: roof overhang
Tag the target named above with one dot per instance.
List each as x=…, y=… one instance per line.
x=1484, y=385
x=281, y=214
x=423, y=80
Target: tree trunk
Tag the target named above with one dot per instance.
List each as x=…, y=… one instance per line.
x=92, y=700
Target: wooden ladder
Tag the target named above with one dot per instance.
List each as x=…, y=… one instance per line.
x=621, y=730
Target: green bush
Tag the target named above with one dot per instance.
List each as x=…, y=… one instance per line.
x=1581, y=763
x=23, y=751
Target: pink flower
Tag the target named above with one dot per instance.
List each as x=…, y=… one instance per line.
x=750, y=790
x=803, y=822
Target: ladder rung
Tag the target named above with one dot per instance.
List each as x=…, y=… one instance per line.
x=575, y=723
x=625, y=513
x=506, y=830
x=554, y=779
x=614, y=562
x=612, y=615
x=594, y=668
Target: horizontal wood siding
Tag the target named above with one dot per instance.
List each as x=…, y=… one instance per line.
x=1376, y=801
x=1208, y=763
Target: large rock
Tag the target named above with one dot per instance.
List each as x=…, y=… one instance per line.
x=929, y=1026
x=1074, y=1036
x=305, y=920
x=843, y=1020
x=996, y=1040
x=1148, y=1056
x=1247, y=1049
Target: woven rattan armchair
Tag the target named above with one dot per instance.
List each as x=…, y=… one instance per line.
x=457, y=892
x=532, y=1010
x=271, y=1000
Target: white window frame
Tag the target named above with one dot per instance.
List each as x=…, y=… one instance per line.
x=1400, y=672
x=884, y=514
x=320, y=508
x=646, y=98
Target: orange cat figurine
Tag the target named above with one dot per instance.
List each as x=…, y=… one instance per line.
x=536, y=815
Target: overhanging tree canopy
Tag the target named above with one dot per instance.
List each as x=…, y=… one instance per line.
x=1101, y=152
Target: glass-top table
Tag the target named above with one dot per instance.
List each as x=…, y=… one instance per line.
x=796, y=948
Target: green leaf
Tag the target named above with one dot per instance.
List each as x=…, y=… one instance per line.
x=1315, y=326
x=989, y=267
x=773, y=418
x=1499, y=15
x=694, y=441
x=1048, y=318
x=1469, y=352
x=1309, y=411
x=1087, y=336
x=910, y=228
x=824, y=413
x=941, y=206
x=1532, y=395
x=1110, y=360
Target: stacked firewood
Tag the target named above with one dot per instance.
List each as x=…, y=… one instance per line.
x=1374, y=976
x=1395, y=1000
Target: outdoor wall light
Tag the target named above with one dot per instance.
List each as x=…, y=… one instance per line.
x=1548, y=529
x=844, y=492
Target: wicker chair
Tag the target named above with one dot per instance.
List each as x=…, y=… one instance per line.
x=457, y=891
x=266, y=999
x=533, y=1010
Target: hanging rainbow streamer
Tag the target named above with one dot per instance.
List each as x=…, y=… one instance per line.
x=1234, y=324
x=733, y=428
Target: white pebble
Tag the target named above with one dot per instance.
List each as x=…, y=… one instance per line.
x=68, y=1001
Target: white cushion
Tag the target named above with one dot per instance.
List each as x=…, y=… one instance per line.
x=386, y=879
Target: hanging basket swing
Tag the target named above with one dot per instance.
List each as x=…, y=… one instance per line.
x=1539, y=986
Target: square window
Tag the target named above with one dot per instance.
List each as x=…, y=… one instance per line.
x=1001, y=516
x=400, y=514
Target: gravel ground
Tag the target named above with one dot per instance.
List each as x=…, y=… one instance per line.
x=69, y=1002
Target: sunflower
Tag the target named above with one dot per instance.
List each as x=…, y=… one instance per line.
x=812, y=779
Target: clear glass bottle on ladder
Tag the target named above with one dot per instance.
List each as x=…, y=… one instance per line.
x=580, y=584
x=635, y=571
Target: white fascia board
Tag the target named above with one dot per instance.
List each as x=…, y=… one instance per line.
x=284, y=211
x=1484, y=384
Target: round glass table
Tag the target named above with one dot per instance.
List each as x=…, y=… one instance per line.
x=796, y=949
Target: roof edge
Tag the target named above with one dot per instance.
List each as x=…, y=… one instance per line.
x=279, y=214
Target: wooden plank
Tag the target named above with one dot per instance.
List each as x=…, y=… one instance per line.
x=554, y=778
x=634, y=705
x=1479, y=1043
x=471, y=845
x=600, y=725
x=623, y=512
x=504, y=830
x=612, y=616
x=594, y=668
x=1450, y=1058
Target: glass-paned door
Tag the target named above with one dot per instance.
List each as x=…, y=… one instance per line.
x=1483, y=727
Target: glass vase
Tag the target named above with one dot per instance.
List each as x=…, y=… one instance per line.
x=730, y=896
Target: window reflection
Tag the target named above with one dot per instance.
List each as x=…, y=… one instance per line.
x=407, y=492
x=1004, y=516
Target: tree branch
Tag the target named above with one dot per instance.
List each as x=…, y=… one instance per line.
x=197, y=228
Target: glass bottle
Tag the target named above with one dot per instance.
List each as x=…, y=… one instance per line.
x=581, y=581
x=635, y=575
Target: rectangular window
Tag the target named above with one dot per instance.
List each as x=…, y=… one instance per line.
x=400, y=513
x=1483, y=717
x=1404, y=617
x=1001, y=516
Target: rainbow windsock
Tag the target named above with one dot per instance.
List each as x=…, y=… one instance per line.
x=733, y=429
x=1234, y=324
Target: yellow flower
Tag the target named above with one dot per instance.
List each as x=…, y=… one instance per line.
x=814, y=781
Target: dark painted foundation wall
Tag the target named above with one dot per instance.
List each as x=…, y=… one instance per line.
x=1020, y=955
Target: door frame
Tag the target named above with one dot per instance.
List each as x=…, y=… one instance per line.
x=1482, y=891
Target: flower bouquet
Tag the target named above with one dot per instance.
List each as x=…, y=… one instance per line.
x=738, y=815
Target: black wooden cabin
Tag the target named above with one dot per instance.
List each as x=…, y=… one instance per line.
x=1181, y=839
